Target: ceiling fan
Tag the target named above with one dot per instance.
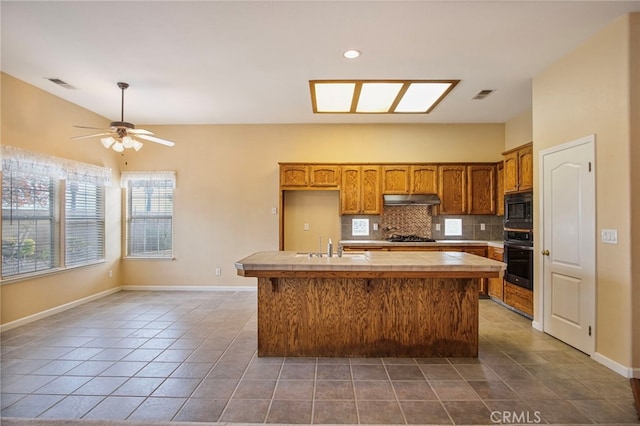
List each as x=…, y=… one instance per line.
x=121, y=135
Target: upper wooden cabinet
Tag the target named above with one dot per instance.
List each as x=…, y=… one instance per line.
x=518, y=169
x=424, y=179
x=395, y=179
x=305, y=176
x=452, y=188
x=410, y=179
x=294, y=175
x=500, y=189
x=467, y=188
x=360, y=190
x=324, y=175
x=481, y=189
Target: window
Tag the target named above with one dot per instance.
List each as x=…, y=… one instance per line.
x=149, y=224
x=453, y=227
x=34, y=186
x=84, y=223
x=29, y=223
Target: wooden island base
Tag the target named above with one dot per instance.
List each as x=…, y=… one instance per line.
x=333, y=316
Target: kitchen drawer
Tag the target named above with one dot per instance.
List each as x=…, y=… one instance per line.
x=478, y=251
x=495, y=253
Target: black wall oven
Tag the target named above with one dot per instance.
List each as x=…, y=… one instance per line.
x=518, y=255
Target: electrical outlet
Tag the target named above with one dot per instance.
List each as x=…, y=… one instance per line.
x=218, y=271
x=306, y=226
x=437, y=226
x=375, y=226
x=482, y=227
x=110, y=273
x=274, y=210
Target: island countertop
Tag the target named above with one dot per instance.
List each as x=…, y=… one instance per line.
x=430, y=263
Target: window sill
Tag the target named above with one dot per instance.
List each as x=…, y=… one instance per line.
x=172, y=258
x=40, y=274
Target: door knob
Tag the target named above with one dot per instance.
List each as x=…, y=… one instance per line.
x=545, y=252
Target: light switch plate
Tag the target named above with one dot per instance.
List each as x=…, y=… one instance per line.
x=609, y=236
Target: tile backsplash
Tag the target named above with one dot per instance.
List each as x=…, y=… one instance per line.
x=471, y=227
x=419, y=220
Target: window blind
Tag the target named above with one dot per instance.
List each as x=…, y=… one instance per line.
x=30, y=223
x=84, y=223
x=149, y=228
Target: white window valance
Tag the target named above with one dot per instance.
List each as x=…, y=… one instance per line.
x=149, y=176
x=23, y=161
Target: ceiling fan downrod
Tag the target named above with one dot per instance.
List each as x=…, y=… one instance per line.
x=123, y=86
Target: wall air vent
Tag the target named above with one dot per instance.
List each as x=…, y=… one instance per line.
x=483, y=94
x=61, y=83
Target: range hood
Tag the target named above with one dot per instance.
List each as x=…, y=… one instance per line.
x=413, y=199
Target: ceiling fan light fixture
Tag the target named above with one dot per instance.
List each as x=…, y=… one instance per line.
x=118, y=147
x=127, y=142
x=137, y=145
x=107, y=142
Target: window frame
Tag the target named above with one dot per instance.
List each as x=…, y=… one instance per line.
x=152, y=179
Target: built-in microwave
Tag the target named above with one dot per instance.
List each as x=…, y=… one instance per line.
x=518, y=211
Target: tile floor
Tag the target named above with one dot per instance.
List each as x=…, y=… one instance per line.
x=191, y=356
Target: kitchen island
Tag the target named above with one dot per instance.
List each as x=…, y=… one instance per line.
x=371, y=304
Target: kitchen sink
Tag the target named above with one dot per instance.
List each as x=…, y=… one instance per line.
x=335, y=256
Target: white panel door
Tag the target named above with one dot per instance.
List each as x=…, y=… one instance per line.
x=568, y=245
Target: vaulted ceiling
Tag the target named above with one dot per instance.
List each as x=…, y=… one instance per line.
x=231, y=62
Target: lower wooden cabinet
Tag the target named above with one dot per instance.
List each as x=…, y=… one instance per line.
x=518, y=297
x=496, y=285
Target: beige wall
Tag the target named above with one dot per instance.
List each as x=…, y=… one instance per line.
x=587, y=92
x=518, y=131
x=318, y=209
x=37, y=121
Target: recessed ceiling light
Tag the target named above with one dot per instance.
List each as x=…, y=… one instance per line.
x=378, y=96
x=351, y=54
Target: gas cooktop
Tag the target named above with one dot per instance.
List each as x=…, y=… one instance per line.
x=398, y=238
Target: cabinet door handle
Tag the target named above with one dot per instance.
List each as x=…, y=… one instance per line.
x=545, y=252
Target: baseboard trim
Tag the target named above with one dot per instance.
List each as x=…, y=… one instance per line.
x=40, y=315
x=627, y=372
x=187, y=288
x=537, y=325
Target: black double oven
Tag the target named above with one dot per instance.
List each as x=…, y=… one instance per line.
x=518, y=239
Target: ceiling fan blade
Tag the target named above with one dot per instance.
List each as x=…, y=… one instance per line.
x=139, y=132
x=92, y=136
x=156, y=140
x=94, y=128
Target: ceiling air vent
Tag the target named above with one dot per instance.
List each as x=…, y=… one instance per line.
x=483, y=94
x=61, y=83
